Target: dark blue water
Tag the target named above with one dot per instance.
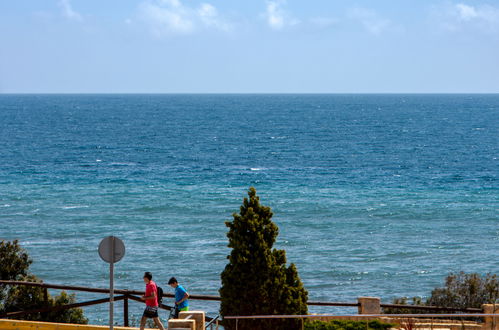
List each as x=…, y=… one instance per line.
x=379, y=195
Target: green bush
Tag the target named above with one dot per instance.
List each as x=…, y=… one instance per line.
x=466, y=291
x=15, y=266
x=461, y=290
x=347, y=325
x=256, y=281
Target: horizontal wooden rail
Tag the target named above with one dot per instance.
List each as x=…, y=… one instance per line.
x=100, y=290
x=59, y=308
x=432, y=308
x=68, y=287
x=140, y=293
x=217, y=298
x=326, y=303
x=252, y=317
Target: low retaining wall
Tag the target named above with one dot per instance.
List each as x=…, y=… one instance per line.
x=31, y=325
x=416, y=323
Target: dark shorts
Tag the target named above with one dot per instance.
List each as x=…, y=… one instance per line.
x=150, y=312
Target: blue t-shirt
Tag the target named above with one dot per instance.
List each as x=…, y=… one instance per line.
x=179, y=294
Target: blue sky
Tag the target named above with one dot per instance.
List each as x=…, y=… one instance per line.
x=315, y=46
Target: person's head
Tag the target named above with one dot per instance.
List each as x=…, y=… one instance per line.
x=173, y=282
x=147, y=277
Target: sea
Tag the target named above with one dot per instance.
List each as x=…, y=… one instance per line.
x=375, y=195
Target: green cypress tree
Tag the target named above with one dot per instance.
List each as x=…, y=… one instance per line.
x=256, y=281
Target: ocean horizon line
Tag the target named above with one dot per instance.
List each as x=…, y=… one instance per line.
x=250, y=93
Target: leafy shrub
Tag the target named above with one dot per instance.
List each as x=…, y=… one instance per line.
x=15, y=266
x=461, y=290
x=466, y=291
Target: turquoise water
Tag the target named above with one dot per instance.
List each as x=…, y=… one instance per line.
x=379, y=195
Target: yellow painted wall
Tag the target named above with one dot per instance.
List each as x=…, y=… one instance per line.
x=28, y=325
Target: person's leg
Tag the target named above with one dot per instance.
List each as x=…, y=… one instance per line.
x=143, y=322
x=158, y=323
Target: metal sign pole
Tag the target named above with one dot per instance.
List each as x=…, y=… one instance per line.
x=111, y=250
x=111, y=285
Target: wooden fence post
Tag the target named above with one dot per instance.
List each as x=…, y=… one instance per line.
x=46, y=296
x=125, y=311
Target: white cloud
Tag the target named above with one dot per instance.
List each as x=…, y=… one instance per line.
x=453, y=16
x=172, y=3
x=466, y=12
x=370, y=20
x=169, y=17
x=68, y=12
x=166, y=18
x=209, y=16
x=276, y=17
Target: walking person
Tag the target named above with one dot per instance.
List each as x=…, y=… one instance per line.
x=181, y=296
x=151, y=299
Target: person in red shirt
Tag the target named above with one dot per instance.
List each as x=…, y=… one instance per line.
x=151, y=299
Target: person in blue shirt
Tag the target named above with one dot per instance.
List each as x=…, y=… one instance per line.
x=181, y=295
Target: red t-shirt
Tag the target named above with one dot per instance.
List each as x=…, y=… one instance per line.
x=150, y=290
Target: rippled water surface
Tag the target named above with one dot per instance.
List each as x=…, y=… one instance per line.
x=378, y=195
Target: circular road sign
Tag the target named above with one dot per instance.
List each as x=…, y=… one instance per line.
x=109, y=245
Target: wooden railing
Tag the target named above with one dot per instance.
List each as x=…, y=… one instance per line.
x=124, y=295
x=135, y=295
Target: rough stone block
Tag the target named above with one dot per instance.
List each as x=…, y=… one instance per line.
x=198, y=316
x=369, y=305
x=491, y=323
x=182, y=324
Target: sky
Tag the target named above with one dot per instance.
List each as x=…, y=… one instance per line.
x=250, y=46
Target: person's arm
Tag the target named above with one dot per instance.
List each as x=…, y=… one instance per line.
x=186, y=296
x=152, y=296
